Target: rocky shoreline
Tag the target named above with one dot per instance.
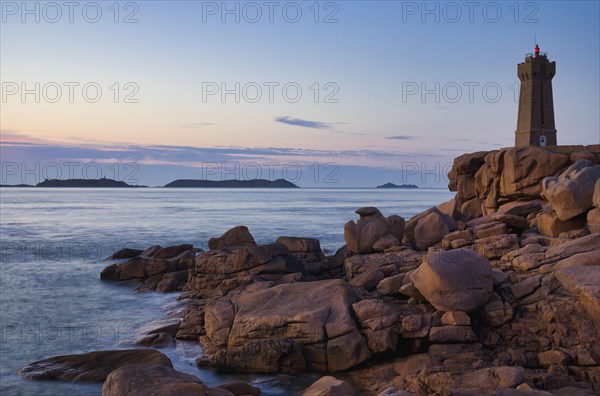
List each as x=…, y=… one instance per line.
x=496, y=292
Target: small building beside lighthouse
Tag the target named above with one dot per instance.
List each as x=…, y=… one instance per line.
x=535, y=122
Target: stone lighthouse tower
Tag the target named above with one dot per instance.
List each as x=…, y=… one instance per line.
x=535, y=122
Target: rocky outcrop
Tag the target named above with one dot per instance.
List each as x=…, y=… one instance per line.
x=233, y=238
x=144, y=380
x=286, y=328
x=485, y=180
x=306, y=250
x=368, y=271
x=489, y=293
x=373, y=231
x=162, y=269
x=93, y=366
x=219, y=272
x=571, y=193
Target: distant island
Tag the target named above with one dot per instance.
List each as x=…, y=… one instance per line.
x=254, y=183
x=16, y=185
x=392, y=185
x=83, y=183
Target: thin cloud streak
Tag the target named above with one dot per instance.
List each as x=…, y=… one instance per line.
x=303, y=123
x=401, y=137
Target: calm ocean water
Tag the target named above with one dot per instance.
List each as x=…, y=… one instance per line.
x=52, y=301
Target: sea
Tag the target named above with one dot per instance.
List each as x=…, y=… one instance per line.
x=54, y=242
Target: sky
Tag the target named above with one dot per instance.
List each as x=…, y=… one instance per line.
x=320, y=93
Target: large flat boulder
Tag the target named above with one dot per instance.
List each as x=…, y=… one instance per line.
x=454, y=280
x=92, y=366
x=286, y=328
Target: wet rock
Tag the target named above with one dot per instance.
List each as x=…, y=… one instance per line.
x=150, y=271
x=92, y=366
x=171, y=251
x=147, y=380
x=236, y=237
x=454, y=280
x=172, y=281
x=239, y=388
x=150, y=251
x=159, y=340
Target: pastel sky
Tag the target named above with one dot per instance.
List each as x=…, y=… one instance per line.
x=370, y=91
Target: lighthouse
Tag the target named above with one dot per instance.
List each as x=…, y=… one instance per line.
x=535, y=122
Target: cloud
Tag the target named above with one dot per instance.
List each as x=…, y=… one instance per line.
x=303, y=123
x=196, y=125
x=401, y=137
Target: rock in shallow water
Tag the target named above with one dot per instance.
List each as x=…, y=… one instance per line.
x=144, y=380
x=93, y=366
